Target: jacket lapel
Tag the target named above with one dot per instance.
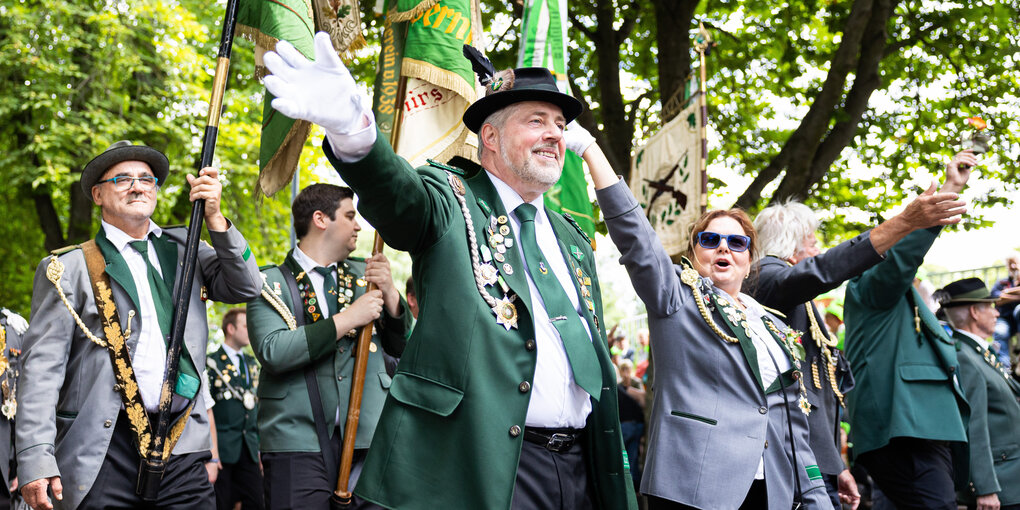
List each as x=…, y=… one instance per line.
x=740, y=330
x=117, y=268
x=289, y=264
x=487, y=204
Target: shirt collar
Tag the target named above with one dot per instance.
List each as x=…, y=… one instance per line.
x=120, y=239
x=306, y=262
x=230, y=350
x=981, y=341
x=511, y=199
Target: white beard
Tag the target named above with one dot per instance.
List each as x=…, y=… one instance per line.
x=530, y=172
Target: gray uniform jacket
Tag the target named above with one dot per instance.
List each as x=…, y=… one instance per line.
x=68, y=402
x=12, y=349
x=711, y=421
x=788, y=288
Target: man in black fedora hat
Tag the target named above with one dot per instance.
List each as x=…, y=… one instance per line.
x=992, y=394
x=505, y=396
x=95, y=354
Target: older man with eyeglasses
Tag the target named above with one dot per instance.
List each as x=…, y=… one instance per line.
x=94, y=356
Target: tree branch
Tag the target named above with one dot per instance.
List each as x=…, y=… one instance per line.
x=580, y=27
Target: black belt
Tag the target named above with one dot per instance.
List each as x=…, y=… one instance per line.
x=554, y=440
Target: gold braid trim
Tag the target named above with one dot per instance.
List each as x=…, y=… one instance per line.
x=4, y=363
x=279, y=306
x=825, y=342
x=176, y=431
x=690, y=278
x=54, y=271
x=814, y=374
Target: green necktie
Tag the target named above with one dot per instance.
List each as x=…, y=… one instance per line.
x=329, y=289
x=576, y=341
x=160, y=293
x=187, y=377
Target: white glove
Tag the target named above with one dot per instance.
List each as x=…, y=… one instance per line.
x=577, y=138
x=15, y=321
x=322, y=92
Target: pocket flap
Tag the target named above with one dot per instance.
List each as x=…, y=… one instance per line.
x=423, y=393
x=1005, y=452
x=272, y=391
x=923, y=373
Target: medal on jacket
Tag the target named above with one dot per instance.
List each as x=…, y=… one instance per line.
x=249, y=400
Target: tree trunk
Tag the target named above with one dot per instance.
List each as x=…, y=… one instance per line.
x=674, y=45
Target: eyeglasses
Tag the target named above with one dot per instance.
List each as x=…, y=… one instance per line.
x=735, y=242
x=126, y=182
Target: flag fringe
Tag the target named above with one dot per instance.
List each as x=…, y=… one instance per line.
x=412, y=13
x=413, y=68
x=281, y=167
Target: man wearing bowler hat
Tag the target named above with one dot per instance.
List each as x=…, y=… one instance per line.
x=992, y=394
x=505, y=396
x=94, y=356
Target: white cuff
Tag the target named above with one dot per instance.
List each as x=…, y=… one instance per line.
x=352, y=147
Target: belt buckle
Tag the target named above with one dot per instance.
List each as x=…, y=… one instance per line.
x=559, y=442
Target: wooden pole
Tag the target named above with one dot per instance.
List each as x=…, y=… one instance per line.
x=703, y=45
x=342, y=496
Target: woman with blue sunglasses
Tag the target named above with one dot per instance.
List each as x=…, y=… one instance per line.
x=728, y=427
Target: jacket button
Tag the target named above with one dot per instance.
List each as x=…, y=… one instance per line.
x=952, y=369
x=763, y=410
x=515, y=431
x=766, y=444
x=529, y=344
x=524, y=386
x=339, y=377
x=108, y=423
x=116, y=387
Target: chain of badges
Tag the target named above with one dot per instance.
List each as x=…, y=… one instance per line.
x=484, y=266
x=228, y=391
x=9, y=385
x=345, y=282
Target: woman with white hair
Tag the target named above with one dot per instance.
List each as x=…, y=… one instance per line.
x=793, y=272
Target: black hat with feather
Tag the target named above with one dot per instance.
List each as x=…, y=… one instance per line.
x=504, y=88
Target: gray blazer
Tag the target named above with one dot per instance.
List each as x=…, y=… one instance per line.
x=711, y=419
x=66, y=390
x=9, y=376
x=787, y=288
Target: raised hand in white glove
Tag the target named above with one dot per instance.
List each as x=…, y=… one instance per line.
x=577, y=138
x=15, y=321
x=322, y=92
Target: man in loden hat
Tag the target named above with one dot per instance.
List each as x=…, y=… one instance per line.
x=505, y=395
x=93, y=361
x=992, y=394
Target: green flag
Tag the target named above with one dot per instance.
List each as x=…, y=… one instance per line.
x=268, y=21
x=387, y=76
x=544, y=44
x=440, y=84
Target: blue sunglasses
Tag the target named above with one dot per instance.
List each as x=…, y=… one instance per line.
x=711, y=240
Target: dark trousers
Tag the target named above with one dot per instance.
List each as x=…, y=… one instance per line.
x=299, y=481
x=240, y=481
x=913, y=473
x=756, y=499
x=549, y=480
x=832, y=487
x=185, y=484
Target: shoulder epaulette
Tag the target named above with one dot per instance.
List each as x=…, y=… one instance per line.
x=570, y=219
x=773, y=311
x=174, y=226
x=266, y=267
x=356, y=259
x=446, y=167
x=60, y=251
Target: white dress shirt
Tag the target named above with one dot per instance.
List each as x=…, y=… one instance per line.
x=149, y=357
x=556, y=400
x=235, y=359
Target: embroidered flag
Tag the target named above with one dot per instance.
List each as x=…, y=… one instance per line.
x=665, y=176
x=439, y=81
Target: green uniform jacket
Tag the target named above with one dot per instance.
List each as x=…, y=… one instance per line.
x=994, y=429
x=285, y=411
x=234, y=424
x=450, y=434
x=906, y=372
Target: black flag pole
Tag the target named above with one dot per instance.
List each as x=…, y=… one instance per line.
x=153, y=463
